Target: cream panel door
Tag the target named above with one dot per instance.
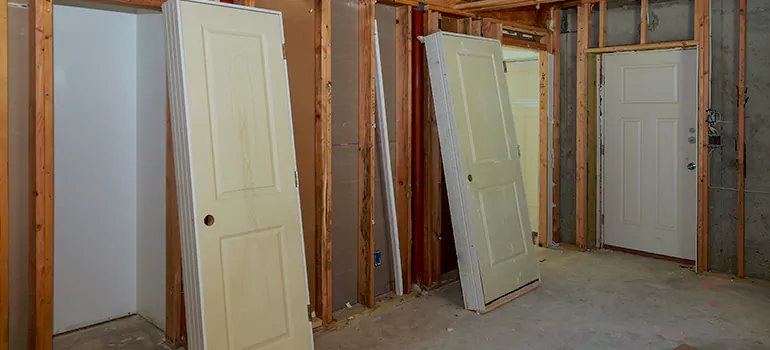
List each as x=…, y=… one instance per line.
x=251, y=258
x=524, y=89
x=650, y=139
x=488, y=151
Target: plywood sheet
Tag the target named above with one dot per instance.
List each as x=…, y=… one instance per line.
x=299, y=31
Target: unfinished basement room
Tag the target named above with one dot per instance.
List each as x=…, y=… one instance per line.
x=332, y=174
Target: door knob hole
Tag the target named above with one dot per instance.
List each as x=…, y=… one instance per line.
x=208, y=220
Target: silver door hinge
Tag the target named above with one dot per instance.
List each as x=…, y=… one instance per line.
x=283, y=48
x=309, y=313
x=296, y=179
x=505, y=67
x=601, y=149
x=602, y=219
x=518, y=148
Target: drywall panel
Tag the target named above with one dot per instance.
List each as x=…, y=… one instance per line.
x=18, y=162
x=299, y=31
x=151, y=168
x=345, y=153
x=95, y=161
x=668, y=20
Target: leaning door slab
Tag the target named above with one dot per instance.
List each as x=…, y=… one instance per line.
x=482, y=166
x=244, y=260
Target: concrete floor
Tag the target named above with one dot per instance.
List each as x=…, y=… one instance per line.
x=600, y=300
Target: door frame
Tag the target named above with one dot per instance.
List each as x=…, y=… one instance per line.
x=600, y=168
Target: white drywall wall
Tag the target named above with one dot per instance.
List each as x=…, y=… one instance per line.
x=95, y=161
x=151, y=169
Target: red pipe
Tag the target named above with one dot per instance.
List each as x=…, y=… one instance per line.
x=418, y=154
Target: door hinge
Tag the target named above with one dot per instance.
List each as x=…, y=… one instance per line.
x=505, y=67
x=296, y=179
x=518, y=149
x=602, y=219
x=309, y=313
x=601, y=149
x=283, y=48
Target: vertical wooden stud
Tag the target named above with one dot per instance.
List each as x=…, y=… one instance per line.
x=603, y=23
x=404, y=139
x=41, y=164
x=591, y=150
x=556, y=51
x=742, y=141
x=418, y=151
x=323, y=161
x=643, y=31
x=4, y=209
x=581, y=128
x=366, y=110
x=543, y=184
x=174, y=301
x=703, y=37
x=433, y=172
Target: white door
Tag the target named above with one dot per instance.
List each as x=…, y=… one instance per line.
x=482, y=166
x=650, y=140
x=250, y=259
x=524, y=89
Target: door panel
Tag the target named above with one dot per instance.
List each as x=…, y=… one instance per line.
x=524, y=87
x=250, y=252
x=650, y=138
x=478, y=140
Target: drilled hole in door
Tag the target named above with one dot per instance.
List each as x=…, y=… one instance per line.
x=208, y=220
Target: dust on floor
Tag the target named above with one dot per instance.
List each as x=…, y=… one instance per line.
x=129, y=333
x=599, y=300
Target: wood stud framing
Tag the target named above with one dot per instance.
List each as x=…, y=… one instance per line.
x=603, y=23
x=4, y=209
x=581, y=142
x=742, y=141
x=41, y=152
x=703, y=37
x=643, y=31
x=433, y=173
x=556, y=51
x=323, y=162
x=404, y=139
x=543, y=184
x=366, y=113
x=175, y=322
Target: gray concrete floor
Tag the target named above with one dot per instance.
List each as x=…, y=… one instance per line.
x=129, y=333
x=600, y=300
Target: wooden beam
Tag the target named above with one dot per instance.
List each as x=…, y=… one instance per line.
x=543, y=183
x=476, y=27
x=404, y=139
x=519, y=27
x=556, y=51
x=323, y=161
x=418, y=149
x=366, y=110
x=603, y=23
x=4, y=208
x=591, y=149
x=643, y=47
x=742, y=141
x=488, y=5
x=174, y=301
x=703, y=37
x=643, y=23
x=428, y=6
x=433, y=171
x=41, y=164
x=491, y=29
x=526, y=44
x=581, y=128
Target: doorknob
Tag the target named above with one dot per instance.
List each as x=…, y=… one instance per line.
x=691, y=166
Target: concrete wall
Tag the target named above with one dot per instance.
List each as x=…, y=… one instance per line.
x=672, y=20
